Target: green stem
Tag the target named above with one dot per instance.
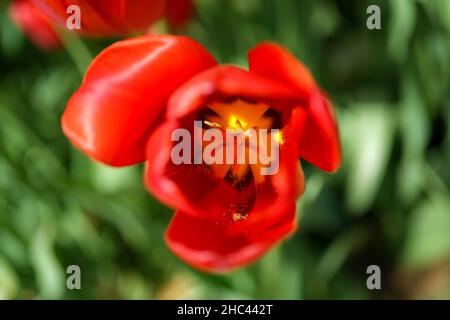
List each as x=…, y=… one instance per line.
x=76, y=49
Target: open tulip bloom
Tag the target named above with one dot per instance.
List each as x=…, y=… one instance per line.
x=164, y=100
x=99, y=18
x=113, y=17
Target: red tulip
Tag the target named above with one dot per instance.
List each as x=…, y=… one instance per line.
x=138, y=91
x=38, y=18
x=113, y=17
x=34, y=24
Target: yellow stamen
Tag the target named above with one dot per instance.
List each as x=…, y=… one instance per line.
x=236, y=123
x=239, y=216
x=212, y=124
x=278, y=137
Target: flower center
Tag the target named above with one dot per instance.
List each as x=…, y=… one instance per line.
x=252, y=124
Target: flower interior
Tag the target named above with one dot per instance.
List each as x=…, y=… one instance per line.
x=246, y=120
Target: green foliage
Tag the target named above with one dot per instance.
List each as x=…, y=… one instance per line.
x=388, y=205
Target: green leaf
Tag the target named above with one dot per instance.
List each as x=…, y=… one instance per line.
x=402, y=22
x=49, y=273
x=368, y=139
x=428, y=233
x=415, y=134
x=9, y=280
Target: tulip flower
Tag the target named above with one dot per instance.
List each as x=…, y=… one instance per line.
x=34, y=24
x=102, y=18
x=115, y=17
x=138, y=92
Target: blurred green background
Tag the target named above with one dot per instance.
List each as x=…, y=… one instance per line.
x=388, y=205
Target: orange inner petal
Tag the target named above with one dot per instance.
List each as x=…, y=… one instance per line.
x=241, y=116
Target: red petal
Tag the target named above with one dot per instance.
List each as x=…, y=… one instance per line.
x=320, y=142
x=34, y=24
x=275, y=62
x=209, y=246
x=226, y=82
x=129, y=15
x=125, y=91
